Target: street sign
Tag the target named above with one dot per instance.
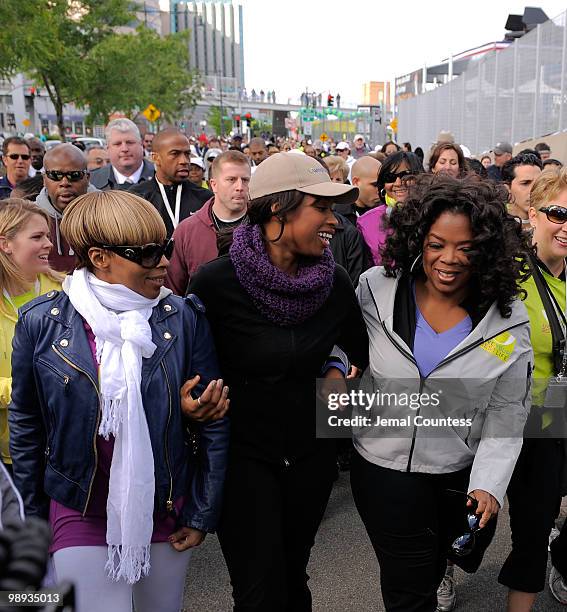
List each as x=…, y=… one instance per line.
x=151, y=113
x=394, y=124
x=323, y=137
x=26, y=122
x=307, y=128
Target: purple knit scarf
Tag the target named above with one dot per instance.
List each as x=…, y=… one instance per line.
x=284, y=300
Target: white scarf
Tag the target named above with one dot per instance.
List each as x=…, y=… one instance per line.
x=119, y=318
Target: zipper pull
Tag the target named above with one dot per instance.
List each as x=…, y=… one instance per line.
x=169, y=505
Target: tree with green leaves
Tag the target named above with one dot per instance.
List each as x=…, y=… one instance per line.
x=130, y=71
x=74, y=49
x=50, y=41
x=214, y=120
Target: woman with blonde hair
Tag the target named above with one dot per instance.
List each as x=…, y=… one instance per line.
x=338, y=168
x=539, y=472
x=107, y=377
x=24, y=274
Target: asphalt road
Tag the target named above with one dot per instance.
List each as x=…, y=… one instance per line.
x=344, y=570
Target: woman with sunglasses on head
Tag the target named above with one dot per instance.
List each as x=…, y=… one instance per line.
x=396, y=174
x=277, y=304
x=24, y=275
x=538, y=473
x=65, y=178
x=107, y=377
x=441, y=314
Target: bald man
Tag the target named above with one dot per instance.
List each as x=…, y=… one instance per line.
x=258, y=150
x=364, y=175
x=170, y=191
x=66, y=178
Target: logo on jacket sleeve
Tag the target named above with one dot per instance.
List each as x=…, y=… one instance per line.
x=501, y=346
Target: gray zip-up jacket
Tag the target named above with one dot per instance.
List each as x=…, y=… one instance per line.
x=487, y=377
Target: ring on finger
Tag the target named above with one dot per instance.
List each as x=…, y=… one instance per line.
x=199, y=402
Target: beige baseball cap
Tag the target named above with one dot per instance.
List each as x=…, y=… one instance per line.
x=286, y=171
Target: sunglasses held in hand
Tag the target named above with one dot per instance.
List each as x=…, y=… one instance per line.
x=464, y=544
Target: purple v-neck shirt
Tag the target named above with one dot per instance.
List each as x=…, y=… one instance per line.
x=429, y=347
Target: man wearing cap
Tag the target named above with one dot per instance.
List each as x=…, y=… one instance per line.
x=197, y=172
x=544, y=150
x=170, y=191
x=502, y=153
x=209, y=158
x=360, y=147
x=343, y=150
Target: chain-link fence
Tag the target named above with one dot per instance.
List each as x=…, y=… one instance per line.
x=510, y=95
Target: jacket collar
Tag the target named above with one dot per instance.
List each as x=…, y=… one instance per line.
x=384, y=289
x=72, y=344
x=204, y=214
x=105, y=176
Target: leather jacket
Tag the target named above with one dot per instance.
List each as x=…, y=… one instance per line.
x=55, y=410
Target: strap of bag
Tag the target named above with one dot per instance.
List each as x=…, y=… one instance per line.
x=551, y=309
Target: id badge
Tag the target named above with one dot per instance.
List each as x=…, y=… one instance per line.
x=556, y=394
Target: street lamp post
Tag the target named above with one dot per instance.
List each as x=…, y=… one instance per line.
x=221, y=104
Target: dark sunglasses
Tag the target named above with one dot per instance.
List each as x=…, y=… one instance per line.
x=147, y=256
x=464, y=544
x=392, y=177
x=15, y=156
x=555, y=214
x=73, y=175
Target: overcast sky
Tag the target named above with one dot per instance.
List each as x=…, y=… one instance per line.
x=338, y=45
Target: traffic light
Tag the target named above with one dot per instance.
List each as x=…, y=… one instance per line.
x=330, y=100
x=248, y=117
x=236, y=119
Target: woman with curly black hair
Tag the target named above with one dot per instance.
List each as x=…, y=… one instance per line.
x=445, y=325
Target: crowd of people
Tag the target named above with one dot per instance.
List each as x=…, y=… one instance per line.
x=168, y=305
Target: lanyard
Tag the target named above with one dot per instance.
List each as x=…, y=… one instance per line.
x=9, y=298
x=174, y=217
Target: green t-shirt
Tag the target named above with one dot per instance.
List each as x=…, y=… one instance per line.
x=20, y=300
x=540, y=332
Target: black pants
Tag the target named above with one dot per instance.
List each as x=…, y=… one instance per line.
x=559, y=552
x=533, y=498
x=411, y=521
x=270, y=517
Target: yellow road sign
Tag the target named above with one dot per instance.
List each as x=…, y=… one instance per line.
x=26, y=122
x=394, y=124
x=323, y=137
x=151, y=113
